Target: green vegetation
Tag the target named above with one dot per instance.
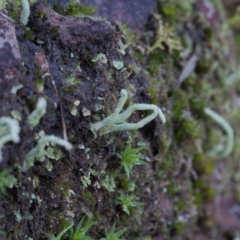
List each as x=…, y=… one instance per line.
x=165, y=36
x=60, y=235
x=81, y=230
x=75, y=8
x=127, y=202
x=78, y=234
x=112, y=235
x=131, y=157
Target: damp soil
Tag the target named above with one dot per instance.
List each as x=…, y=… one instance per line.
x=184, y=192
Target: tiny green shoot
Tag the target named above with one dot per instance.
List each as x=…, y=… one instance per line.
x=81, y=230
x=127, y=202
x=112, y=235
x=131, y=157
x=59, y=236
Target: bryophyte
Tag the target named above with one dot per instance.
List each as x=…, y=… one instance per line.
x=112, y=235
x=127, y=201
x=131, y=157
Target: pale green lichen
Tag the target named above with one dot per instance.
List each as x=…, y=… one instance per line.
x=16, y=88
x=100, y=58
x=86, y=112
x=118, y=65
x=25, y=12
x=16, y=115
x=36, y=115
x=39, y=153
x=2, y=4
x=228, y=129
x=9, y=131
x=117, y=121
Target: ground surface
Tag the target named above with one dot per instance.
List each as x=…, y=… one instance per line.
x=178, y=56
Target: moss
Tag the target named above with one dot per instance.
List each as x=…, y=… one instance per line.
x=176, y=228
x=42, y=14
x=181, y=205
x=29, y=34
x=187, y=129
x=75, y=8
x=38, y=84
x=130, y=35
x=89, y=198
x=13, y=9
x=155, y=62
x=180, y=103
x=173, y=10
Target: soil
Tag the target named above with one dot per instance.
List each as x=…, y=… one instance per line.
x=185, y=189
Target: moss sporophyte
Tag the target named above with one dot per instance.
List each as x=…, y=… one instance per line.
x=117, y=121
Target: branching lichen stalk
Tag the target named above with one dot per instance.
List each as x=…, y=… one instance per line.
x=39, y=153
x=35, y=116
x=228, y=129
x=117, y=121
x=25, y=12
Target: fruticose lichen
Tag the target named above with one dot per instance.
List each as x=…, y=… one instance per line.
x=39, y=153
x=25, y=12
x=35, y=116
x=228, y=129
x=117, y=120
x=9, y=131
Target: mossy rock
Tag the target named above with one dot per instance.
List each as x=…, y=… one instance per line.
x=79, y=64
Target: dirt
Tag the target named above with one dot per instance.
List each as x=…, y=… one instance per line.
x=185, y=192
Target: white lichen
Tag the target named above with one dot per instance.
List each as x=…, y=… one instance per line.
x=100, y=58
